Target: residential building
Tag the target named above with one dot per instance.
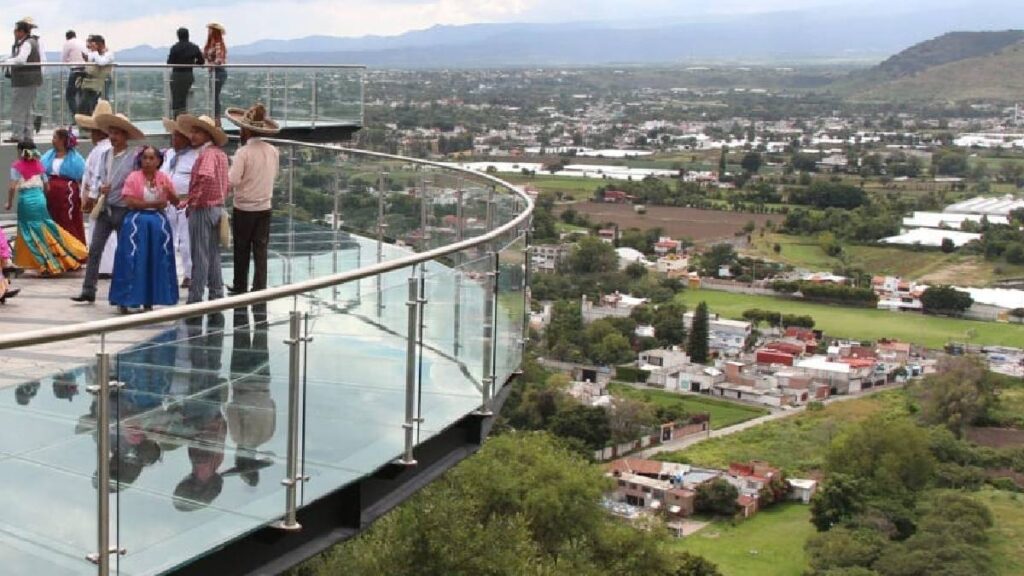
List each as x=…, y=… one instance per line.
x=609, y=306
x=725, y=337
x=673, y=265
x=662, y=365
x=802, y=489
x=666, y=245
x=548, y=257
x=629, y=256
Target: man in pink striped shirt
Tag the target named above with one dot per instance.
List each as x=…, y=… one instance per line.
x=207, y=190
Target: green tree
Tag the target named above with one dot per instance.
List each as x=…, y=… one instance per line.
x=636, y=270
x=697, y=343
x=838, y=501
x=716, y=497
x=948, y=247
x=751, y=162
x=585, y=423
x=890, y=457
x=592, y=255
x=669, y=328
x=945, y=300
x=961, y=392
x=715, y=257
x=843, y=547
x=722, y=168
x=611, y=349
x=692, y=565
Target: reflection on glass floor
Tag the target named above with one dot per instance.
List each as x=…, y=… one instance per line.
x=200, y=442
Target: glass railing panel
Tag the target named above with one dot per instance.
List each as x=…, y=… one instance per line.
x=46, y=415
x=339, y=96
x=354, y=390
x=510, y=309
x=197, y=450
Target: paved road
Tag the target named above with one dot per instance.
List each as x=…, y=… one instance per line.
x=682, y=443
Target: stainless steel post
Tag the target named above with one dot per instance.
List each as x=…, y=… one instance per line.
x=527, y=274
x=458, y=258
x=128, y=94
x=313, y=104
x=211, y=86
x=424, y=199
x=169, y=109
x=413, y=303
x=291, y=207
x=487, y=382
x=270, y=92
x=381, y=226
x=60, y=97
x=102, y=556
x=285, y=88
x=490, y=208
x=291, y=482
x=335, y=227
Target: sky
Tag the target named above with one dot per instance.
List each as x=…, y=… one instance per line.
x=128, y=23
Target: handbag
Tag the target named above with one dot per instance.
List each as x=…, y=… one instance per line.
x=225, y=230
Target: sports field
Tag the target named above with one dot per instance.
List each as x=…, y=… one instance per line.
x=864, y=323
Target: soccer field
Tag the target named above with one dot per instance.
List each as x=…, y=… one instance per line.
x=864, y=323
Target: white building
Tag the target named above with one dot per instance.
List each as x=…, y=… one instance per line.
x=724, y=336
x=989, y=206
x=674, y=265
x=610, y=306
x=629, y=256
x=931, y=237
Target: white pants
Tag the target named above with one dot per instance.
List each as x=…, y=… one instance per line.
x=179, y=233
x=107, y=261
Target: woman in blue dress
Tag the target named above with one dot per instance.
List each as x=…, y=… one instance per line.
x=144, y=268
x=42, y=244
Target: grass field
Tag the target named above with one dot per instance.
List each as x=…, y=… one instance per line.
x=722, y=413
x=797, y=444
x=864, y=323
x=925, y=266
x=569, y=186
x=1006, y=544
x=769, y=544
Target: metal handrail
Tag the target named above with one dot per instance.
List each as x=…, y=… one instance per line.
x=163, y=65
x=97, y=327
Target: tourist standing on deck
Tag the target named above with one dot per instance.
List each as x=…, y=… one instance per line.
x=26, y=77
x=42, y=244
x=65, y=169
x=100, y=64
x=178, y=162
x=252, y=175
x=144, y=270
x=73, y=53
x=184, y=54
x=215, y=52
x=91, y=183
x=115, y=166
x=206, y=193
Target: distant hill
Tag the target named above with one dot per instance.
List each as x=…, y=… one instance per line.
x=954, y=67
x=866, y=32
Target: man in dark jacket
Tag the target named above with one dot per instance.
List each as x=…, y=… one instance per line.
x=185, y=54
x=26, y=77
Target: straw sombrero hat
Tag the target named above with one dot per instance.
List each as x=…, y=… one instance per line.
x=187, y=122
x=217, y=26
x=107, y=121
x=171, y=126
x=89, y=122
x=254, y=119
x=27, y=20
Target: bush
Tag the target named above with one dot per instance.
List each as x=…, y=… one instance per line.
x=630, y=374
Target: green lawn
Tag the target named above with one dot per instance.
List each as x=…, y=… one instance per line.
x=722, y=413
x=864, y=323
x=1006, y=544
x=797, y=444
x=769, y=544
x=570, y=186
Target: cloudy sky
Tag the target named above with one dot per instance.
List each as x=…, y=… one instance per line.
x=127, y=23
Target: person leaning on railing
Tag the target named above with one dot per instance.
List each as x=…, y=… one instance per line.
x=184, y=54
x=73, y=52
x=100, y=63
x=26, y=77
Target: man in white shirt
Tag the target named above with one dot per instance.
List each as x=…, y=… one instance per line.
x=26, y=77
x=73, y=53
x=91, y=180
x=253, y=171
x=178, y=162
x=100, y=62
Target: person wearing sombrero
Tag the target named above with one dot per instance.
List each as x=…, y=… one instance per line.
x=207, y=191
x=90, y=180
x=115, y=166
x=26, y=77
x=178, y=162
x=253, y=171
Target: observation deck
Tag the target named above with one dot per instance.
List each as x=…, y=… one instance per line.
x=246, y=434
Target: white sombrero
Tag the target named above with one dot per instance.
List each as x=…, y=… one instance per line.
x=171, y=126
x=187, y=122
x=89, y=122
x=107, y=121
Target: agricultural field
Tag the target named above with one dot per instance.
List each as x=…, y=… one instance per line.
x=563, y=187
x=701, y=226
x=924, y=266
x=722, y=413
x=864, y=323
x=1006, y=540
x=769, y=544
x=797, y=444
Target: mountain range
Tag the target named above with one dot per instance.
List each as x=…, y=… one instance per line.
x=867, y=34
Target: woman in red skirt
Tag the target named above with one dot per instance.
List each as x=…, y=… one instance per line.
x=64, y=170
